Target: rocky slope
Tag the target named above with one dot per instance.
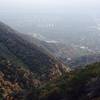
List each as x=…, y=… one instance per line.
x=29, y=72
x=24, y=66
x=82, y=84
x=23, y=53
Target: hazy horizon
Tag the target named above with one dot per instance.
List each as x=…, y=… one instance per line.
x=65, y=19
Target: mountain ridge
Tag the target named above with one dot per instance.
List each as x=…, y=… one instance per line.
x=29, y=54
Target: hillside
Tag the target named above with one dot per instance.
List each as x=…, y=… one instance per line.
x=82, y=84
x=71, y=55
x=30, y=72
x=23, y=53
x=24, y=66
x=17, y=83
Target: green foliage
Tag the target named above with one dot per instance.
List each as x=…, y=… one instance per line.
x=73, y=86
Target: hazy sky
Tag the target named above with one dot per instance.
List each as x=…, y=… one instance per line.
x=20, y=5
x=19, y=13
x=29, y=15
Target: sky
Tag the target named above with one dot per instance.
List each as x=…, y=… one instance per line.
x=20, y=5
x=19, y=13
x=28, y=15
